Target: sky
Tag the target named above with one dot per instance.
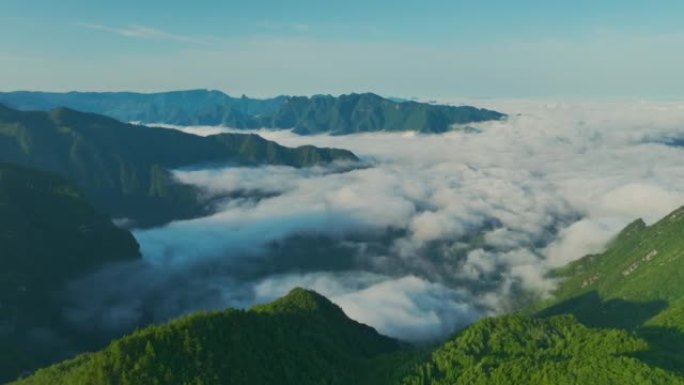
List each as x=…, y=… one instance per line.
x=482, y=49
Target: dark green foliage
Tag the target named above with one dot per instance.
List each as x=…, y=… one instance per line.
x=48, y=235
x=345, y=114
x=48, y=232
x=553, y=351
x=304, y=339
x=123, y=168
x=300, y=339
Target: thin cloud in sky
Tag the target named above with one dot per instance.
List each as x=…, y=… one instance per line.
x=449, y=49
x=274, y=62
x=144, y=32
x=276, y=26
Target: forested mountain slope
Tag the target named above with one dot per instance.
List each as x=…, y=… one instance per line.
x=300, y=339
x=124, y=169
x=48, y=235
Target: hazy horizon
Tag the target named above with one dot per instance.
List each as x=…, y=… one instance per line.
x=438, y=49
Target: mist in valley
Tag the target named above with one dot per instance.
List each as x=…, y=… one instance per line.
x=426, y=235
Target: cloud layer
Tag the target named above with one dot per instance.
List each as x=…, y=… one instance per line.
x=142, y=32
x=441, y=230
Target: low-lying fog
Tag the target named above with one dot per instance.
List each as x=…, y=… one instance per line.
x=439, y=230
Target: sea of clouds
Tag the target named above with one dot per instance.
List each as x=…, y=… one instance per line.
x=434, y=232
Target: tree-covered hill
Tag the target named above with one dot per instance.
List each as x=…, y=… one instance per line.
x=300, y=339
x=554, y=351
x=346, y=114
x=124, y=169
x=48, y=235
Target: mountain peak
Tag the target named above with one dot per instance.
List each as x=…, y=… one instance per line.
x=300, y=300
x=285, y=342
x=62, y=111
x=675, y=216
x=6, y=112
x=632, y=228
x=66, y=116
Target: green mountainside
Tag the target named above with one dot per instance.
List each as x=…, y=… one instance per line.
x=124, y=169
x=300, y=339
x=346, y=114
x=554, y=351
x=48, y=235
x=643, y=264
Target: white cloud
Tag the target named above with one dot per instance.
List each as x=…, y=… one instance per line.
x=475, y=219
x=143, y=32
x=644, y=200
x=277, y=26
x=583, y=237
x=409, y=307
x=298, y=64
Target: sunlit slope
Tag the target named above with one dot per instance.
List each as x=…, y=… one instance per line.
x=637, y=284
x=643, y=264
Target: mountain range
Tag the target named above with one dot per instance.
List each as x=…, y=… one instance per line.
x=616, y=317
x=125, y=169
x=345, y=114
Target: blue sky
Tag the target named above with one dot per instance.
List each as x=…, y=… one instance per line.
x=525, y=48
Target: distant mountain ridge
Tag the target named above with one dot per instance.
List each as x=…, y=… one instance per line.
x=345, y=114
x=124, y=169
